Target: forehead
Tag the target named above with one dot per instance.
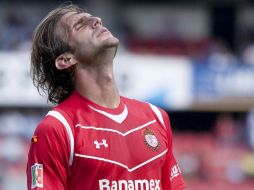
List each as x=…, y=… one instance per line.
x=71, y=17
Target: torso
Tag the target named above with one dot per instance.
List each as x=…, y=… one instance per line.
x=124, y=150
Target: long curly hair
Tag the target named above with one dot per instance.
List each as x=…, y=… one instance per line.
x=47, y=45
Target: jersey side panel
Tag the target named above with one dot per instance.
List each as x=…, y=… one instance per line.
x=173, y=176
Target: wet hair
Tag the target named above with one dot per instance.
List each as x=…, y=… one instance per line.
x=47, y=45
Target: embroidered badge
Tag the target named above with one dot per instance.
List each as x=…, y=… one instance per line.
x=151, y=140
x=34, y=139
x=37, y=175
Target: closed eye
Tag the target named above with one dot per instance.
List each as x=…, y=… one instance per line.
x=80, y=23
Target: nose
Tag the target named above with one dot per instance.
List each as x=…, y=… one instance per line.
x=96, y=21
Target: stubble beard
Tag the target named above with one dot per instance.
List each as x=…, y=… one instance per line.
x=109, y=47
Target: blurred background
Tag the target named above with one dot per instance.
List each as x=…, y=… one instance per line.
x=194, y=58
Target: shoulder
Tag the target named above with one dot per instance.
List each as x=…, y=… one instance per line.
x=49, y=125
x=148, y=108
x=52, y=132
x=142, y=104
x=135, y=103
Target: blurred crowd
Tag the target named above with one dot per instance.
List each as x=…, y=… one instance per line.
x=221, y=158
x=16, y=129
x=16, y=33
x=173, y=32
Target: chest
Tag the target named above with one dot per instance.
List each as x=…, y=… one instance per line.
x=132, y=145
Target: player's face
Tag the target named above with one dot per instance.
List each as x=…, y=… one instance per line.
x=87, y=34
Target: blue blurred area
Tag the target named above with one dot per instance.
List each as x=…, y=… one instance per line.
x=213, y=81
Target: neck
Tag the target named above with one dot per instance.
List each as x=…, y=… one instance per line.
x=95, y=81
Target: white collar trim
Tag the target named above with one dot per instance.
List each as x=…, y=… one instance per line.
x=119, y=118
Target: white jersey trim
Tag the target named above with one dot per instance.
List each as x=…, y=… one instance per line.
x=119, y=118
x=115, y=131
x=121, y=164
x=158, y=114
x=61, y=118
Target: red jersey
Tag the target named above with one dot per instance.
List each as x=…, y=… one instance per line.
x=80, y=145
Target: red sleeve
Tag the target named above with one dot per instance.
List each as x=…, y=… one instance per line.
x=172, y=177
x=47, y=166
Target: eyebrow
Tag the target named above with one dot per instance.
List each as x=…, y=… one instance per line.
x=80, y=20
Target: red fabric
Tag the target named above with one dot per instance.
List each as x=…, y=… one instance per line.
x=135, y=154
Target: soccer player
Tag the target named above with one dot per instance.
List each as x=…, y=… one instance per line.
x=93, y=138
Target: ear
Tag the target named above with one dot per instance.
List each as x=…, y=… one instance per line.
x=65, y=61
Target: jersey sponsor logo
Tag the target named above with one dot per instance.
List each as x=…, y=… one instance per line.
x=99, y=144
x=175, y=171
x=151, y=140
x=139, y=184
x=37, y=175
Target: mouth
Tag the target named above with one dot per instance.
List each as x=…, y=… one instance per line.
x=102, y=31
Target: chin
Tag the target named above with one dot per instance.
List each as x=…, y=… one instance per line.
x=111, y=42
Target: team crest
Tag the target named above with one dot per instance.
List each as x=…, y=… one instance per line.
x=151, y=140
x=37, y=175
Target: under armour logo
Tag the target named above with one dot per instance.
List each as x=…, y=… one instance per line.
x=99, y=144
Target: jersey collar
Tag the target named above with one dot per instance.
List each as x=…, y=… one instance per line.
x=118, y=114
